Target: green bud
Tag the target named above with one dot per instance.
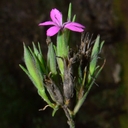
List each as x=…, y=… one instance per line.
x=33, y=67
x=62, y=49
x=51, y=58
x=94, y=56
x=34, y=73
x=40, y=57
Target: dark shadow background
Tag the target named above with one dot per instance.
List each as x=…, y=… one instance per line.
x=106, y=105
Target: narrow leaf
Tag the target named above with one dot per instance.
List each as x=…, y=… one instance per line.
x=81, y=101
x=69, y=12
x=74, y=18
x=45, y=98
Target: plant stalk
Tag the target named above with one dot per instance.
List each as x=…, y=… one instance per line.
x=70, y=121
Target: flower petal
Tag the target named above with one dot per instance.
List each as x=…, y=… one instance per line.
x=74, y=27
x=76, y=24
x=53, y=30
x=47, y=23
x=56, y=16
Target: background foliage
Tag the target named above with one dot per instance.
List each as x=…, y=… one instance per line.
x=106, y=105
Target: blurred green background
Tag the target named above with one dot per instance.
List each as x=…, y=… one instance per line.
x=106, y=105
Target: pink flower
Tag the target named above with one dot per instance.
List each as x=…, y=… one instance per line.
x=57, y=24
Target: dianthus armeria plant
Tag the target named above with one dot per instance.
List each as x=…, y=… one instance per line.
x=65, y=78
